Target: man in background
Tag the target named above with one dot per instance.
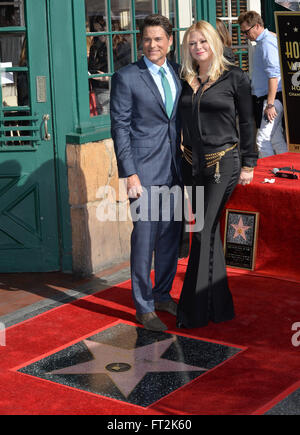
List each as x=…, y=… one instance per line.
x=266, y=85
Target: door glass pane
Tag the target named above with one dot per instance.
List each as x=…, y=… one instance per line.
x=186, y=13
x=12, y=49
x=122, y=50
x=167, y=8
x=99, y=86
x=142, y=9
x=97, y=56
x=15, y=90
x=121, y=15
x=11, y=13
x=13, y=53
x=95, y=8
x=98, y=63
x=97, y=50
x=99, y=96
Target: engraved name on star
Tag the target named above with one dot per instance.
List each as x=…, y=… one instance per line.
x=127, y=367
x=240, y=229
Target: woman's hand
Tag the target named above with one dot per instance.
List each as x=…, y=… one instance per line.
x=101, y=79
x=246, y=176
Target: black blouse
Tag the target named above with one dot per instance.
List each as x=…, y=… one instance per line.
x=211, y=120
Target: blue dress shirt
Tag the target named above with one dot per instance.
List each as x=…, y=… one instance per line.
x=266, y=63
x=154, y=71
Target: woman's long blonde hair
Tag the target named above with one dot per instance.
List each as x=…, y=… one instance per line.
x=189, y=65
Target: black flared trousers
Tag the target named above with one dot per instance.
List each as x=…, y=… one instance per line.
x=205, y=294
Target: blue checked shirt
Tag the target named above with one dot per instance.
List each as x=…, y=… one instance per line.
x=266, y=63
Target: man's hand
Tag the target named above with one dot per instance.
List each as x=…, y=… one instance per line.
x=270, y=113
x=134, y=187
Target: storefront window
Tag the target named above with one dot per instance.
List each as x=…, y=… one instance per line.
x=13, y=54
x=11, y=13
x=113, y=39
x=14, y=72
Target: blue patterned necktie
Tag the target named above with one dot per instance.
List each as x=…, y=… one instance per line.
x=168, y=93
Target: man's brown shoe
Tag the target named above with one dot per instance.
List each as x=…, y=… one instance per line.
x=151, y=322
x=168, y=306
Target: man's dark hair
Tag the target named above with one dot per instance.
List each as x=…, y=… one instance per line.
x=251, y=18
x=157, y=20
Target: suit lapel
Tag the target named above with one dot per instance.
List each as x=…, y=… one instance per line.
x=148, y=79
x=146, y=76
x=178, y=86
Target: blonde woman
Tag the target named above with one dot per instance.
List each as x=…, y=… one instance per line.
x=217, y=157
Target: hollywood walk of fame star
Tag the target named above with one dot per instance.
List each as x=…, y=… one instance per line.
x=240, y=229
x=126, y=367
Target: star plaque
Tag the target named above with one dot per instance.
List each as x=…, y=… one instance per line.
x=131, y=364
x=240, y=238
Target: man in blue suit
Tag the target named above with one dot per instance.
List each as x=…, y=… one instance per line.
x=146, y=134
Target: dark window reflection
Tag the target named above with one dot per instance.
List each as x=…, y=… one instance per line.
x=122, y=44
x=98, y=54
x=98, y=63
x=11, y=46
x=15, y=88
x=12, y=15
x=142, y=9
x=15, y=91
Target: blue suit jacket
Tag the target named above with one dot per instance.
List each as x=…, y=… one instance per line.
x=146, y=140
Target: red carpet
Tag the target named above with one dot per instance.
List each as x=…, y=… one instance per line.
x=248, y=383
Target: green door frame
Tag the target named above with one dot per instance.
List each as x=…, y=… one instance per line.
x=28, y=201
x=64, y=107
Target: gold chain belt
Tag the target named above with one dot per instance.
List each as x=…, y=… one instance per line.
x=212, y=159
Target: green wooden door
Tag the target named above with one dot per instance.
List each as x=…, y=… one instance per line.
x=29, y=239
